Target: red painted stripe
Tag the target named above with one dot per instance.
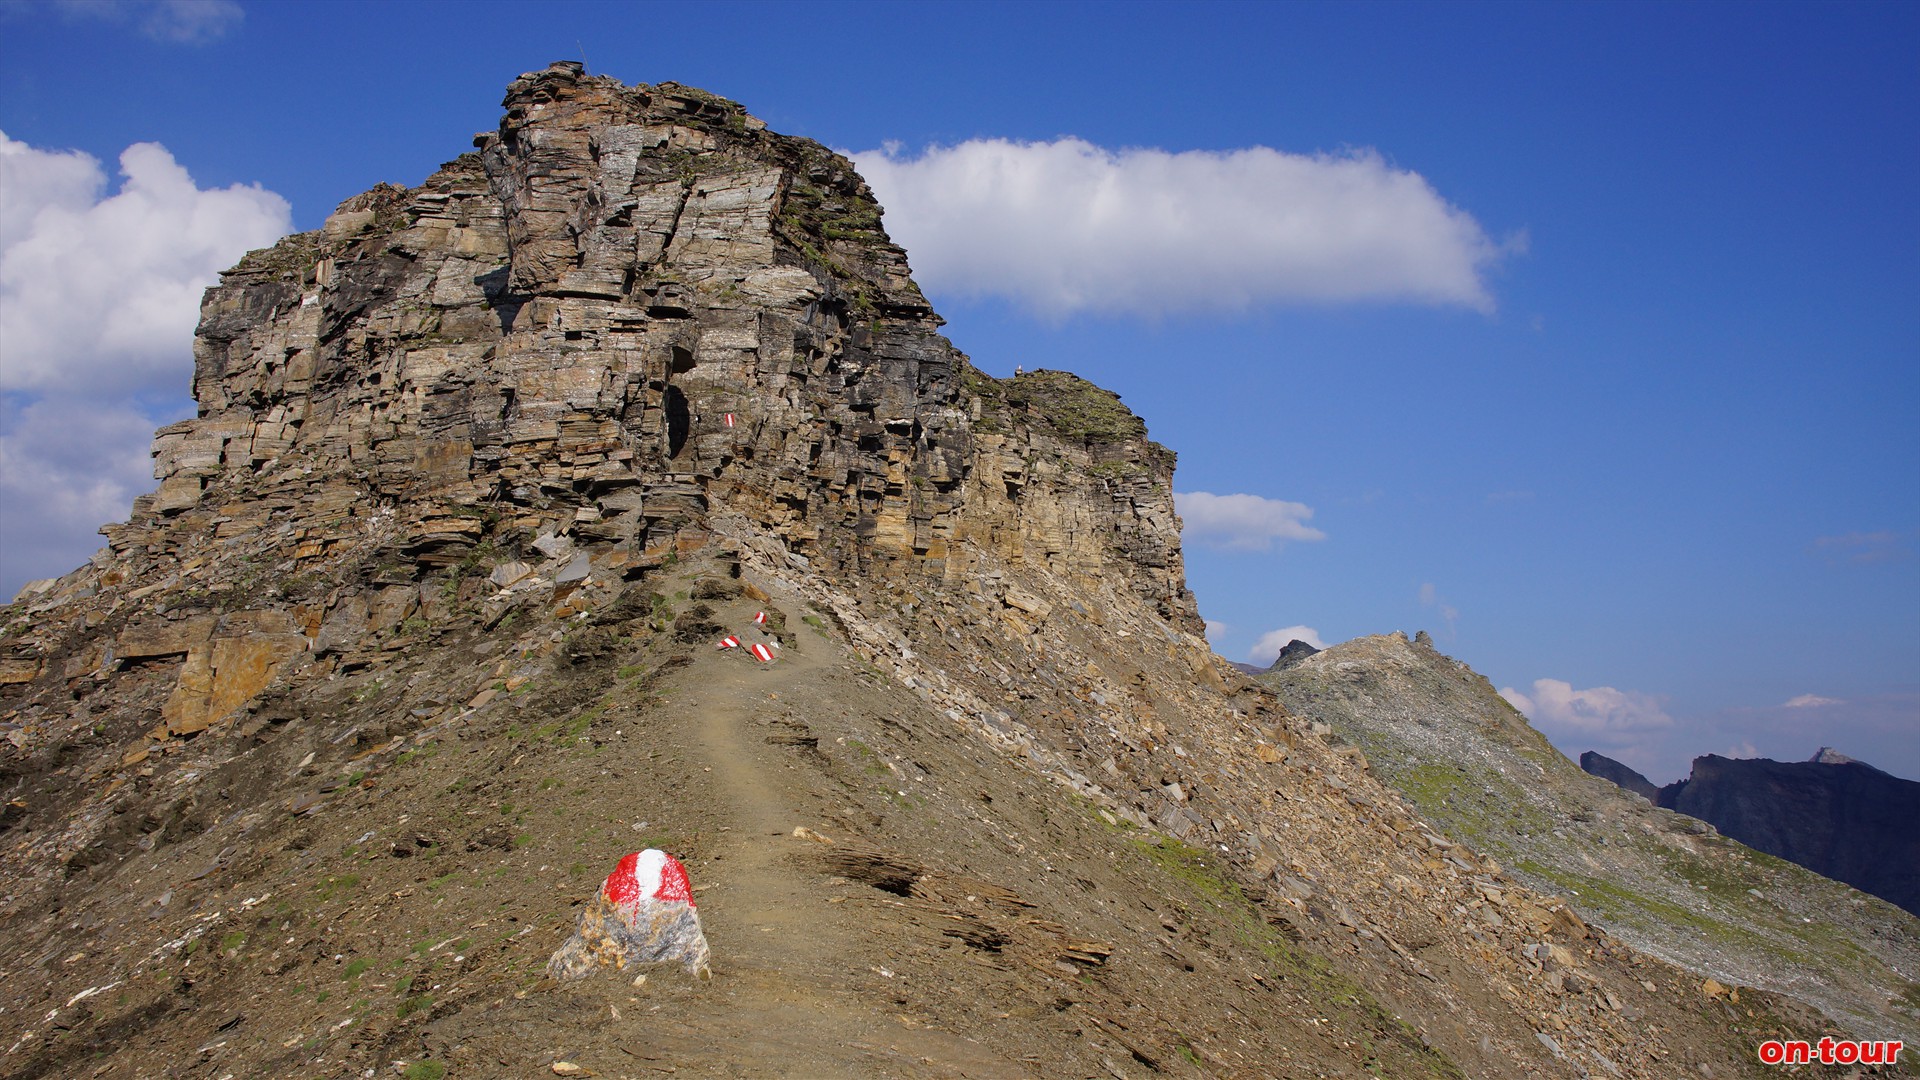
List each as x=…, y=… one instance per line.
x=674, y=884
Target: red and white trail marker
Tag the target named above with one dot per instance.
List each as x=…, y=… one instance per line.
x=644, y=914
x=728, y=642
x=647, y=875
x=761, y=652
x=729, y=419
x=760, y=619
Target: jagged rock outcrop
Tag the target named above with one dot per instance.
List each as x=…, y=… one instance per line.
x=1290, y=654
x=1597, y=764
x=628, y=306
x=301, y=775
x=1844, y=819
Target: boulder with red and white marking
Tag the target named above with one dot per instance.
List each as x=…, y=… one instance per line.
x=644, y=914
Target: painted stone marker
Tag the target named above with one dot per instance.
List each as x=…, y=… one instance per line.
x=642, y=915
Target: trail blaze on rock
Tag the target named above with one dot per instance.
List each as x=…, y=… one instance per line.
x=651, y=873
x=644, y=914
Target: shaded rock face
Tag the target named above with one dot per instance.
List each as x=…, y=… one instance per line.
x=1292, y=653
x=629, y=307
x=1604, y=767
x=1848, y=821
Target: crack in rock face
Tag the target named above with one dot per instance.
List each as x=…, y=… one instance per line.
x=644, y=914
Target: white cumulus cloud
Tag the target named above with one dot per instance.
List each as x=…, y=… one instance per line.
x=1066, y=226
x=105, y=291
x=1268, y=647
x=99, y=294
x=1242, y=522
x=1603, y=715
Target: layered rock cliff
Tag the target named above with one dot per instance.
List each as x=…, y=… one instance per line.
x=628, y=306
x=417, y=638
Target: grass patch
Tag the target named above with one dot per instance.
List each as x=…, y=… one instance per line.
x=1196, y=874
x=337, y=885
x=425, y=1070
x=356, y=967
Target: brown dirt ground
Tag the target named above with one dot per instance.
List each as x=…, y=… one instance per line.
x=371, y=884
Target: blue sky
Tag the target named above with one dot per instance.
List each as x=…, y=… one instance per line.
x=1637, y=438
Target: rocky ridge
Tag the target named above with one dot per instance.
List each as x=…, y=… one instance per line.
x=1836, y=816
x=304, y=771
x=1666, y=883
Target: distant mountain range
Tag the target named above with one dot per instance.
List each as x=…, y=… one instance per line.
x=1831, y=814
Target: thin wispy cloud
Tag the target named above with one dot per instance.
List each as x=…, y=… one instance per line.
x=1242, y=522
x=175, y=22
x=1065, y=226
x=1810, y=701
x=1883, y=545
x=99, y=294
x=1431, y=598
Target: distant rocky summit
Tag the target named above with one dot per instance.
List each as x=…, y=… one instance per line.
x=1606, y=768
x=1294, y=652
x=1831, y=814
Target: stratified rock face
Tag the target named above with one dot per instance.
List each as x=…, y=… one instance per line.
x=631, y=307
x=1604, y=767
x=1848, y=821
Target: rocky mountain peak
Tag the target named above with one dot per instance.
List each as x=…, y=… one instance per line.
x=630, y=308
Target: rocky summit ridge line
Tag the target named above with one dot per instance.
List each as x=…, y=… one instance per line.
x=307, y=772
